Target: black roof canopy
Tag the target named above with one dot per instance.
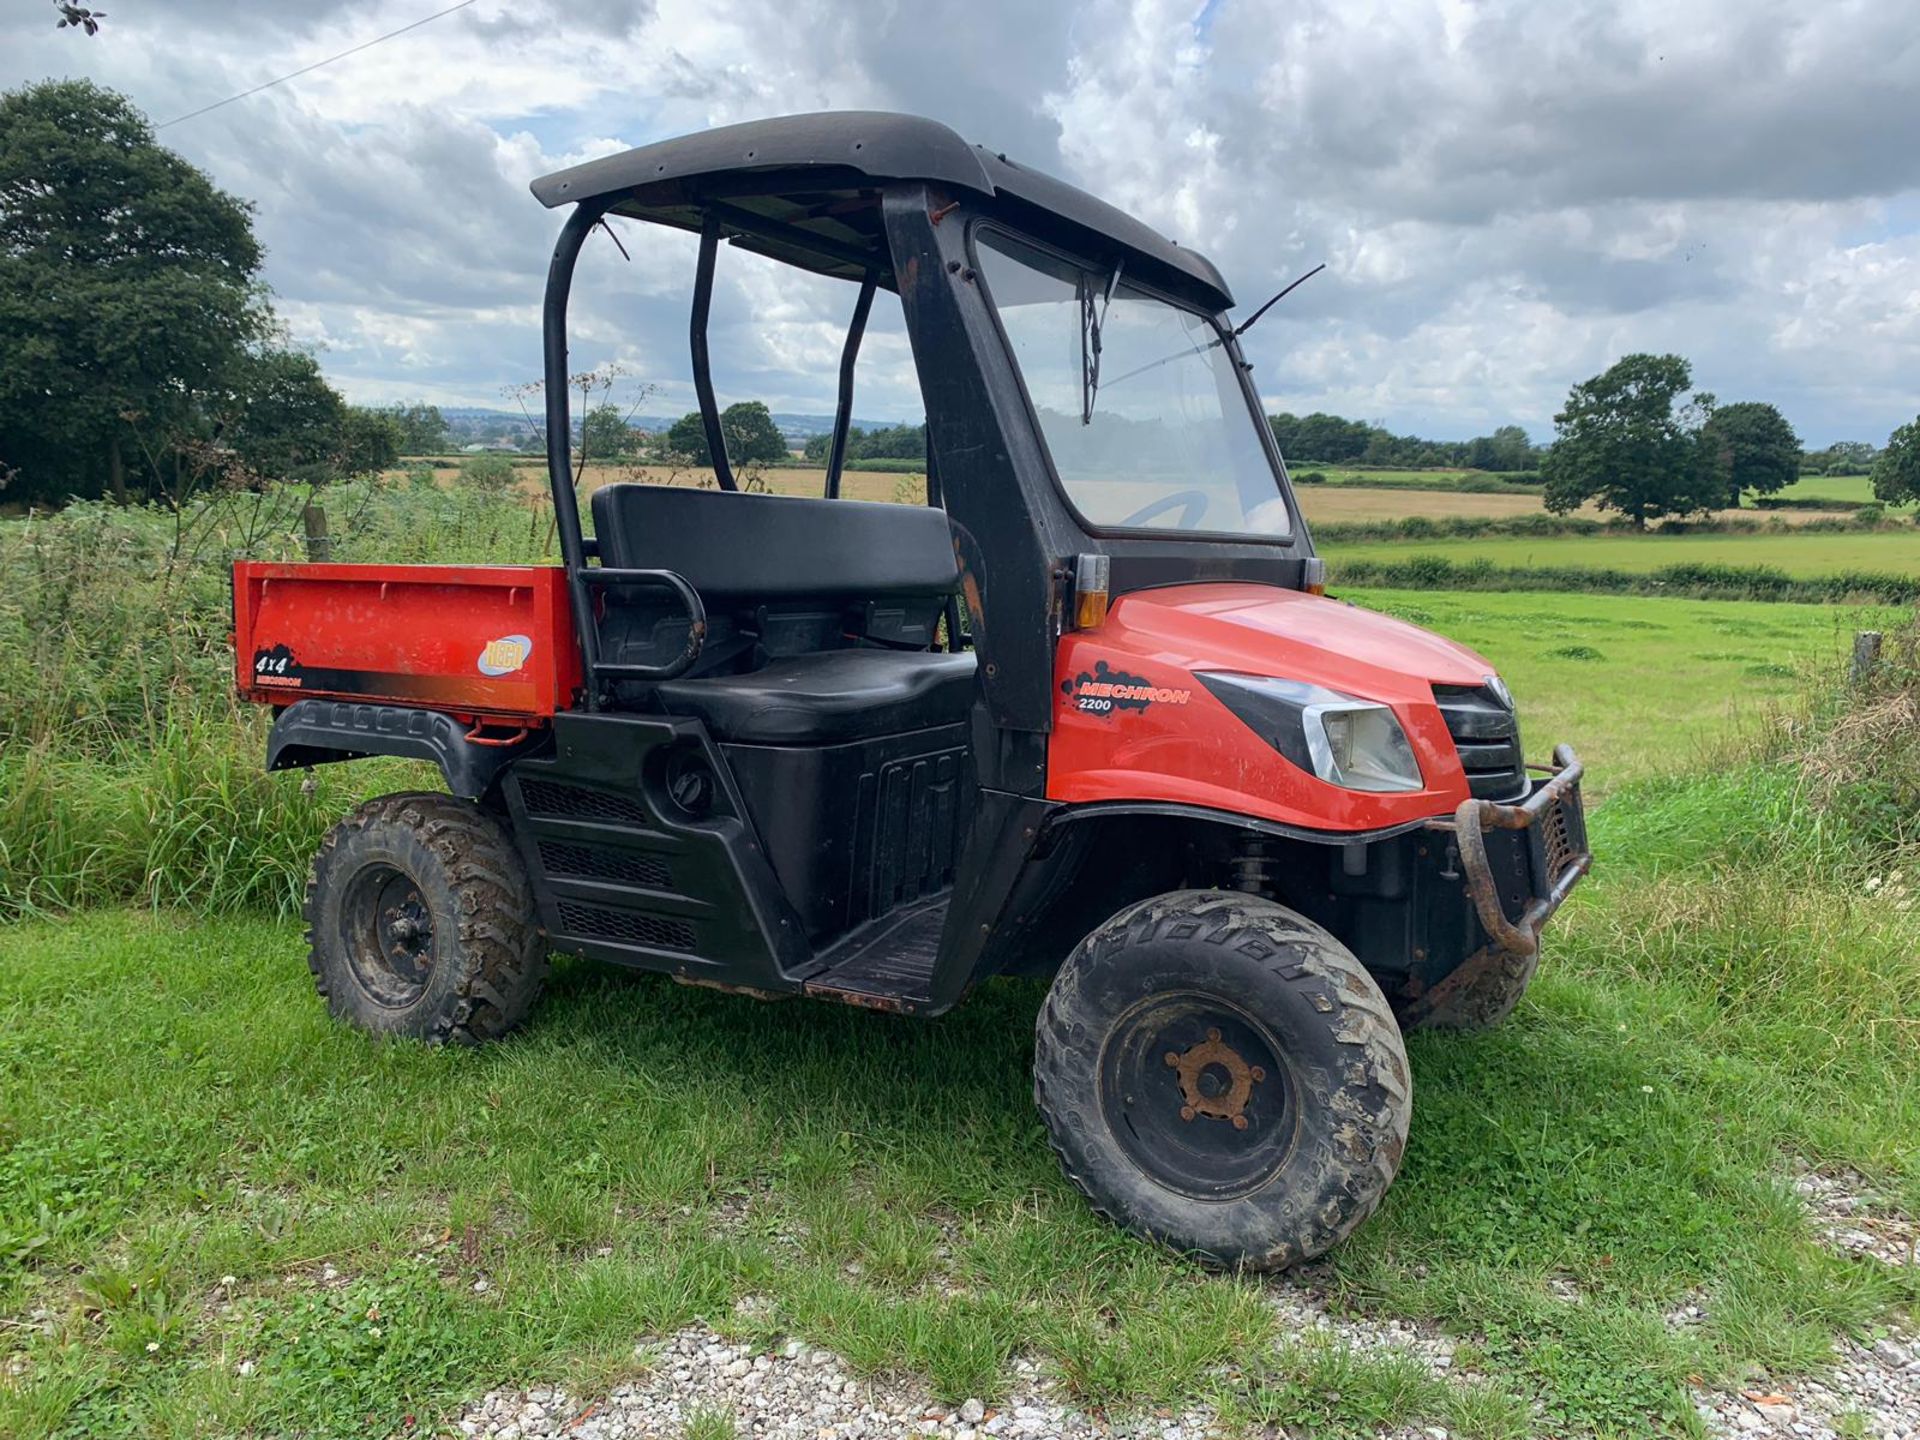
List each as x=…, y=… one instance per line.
x=802, y=188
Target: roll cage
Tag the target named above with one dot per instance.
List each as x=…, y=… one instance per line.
x=891, y=202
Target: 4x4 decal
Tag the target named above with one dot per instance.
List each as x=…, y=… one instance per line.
x=1107, y=690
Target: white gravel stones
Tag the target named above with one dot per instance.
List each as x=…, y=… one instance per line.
x=795, y=1392
x=1873, y=1390
x=1303, y=1314
x=1851, y=1216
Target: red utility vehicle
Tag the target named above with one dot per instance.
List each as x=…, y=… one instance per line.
x=1087, y=714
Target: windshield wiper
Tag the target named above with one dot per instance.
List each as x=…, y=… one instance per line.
x=1090, y=323
x=1214, y=343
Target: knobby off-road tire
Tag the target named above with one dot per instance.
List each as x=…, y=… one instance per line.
x=1476, y=998
x=1191, y=1013
x=420, y=922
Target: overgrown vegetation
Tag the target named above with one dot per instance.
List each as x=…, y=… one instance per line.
x=127, y=769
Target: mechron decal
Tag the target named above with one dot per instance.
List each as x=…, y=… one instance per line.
x=505, y=655
x=277, y=667
x=1105, y=691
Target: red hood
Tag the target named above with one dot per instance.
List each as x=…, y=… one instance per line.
x=1262, y=630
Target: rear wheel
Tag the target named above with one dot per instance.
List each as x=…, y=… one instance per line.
x=1222, y=1075
x=420, y=922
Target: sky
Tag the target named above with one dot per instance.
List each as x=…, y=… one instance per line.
x=1507, y=196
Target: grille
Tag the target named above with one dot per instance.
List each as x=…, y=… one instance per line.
x=591, y=864
x=1487, y=737
x=599, y=923
x=1556, y=835
x=543, y=797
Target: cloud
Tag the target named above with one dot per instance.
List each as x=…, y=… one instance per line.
x=1508, y=195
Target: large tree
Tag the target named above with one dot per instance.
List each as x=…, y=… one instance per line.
x=687, y=438
x=752, y=437
x=748, y=426
x=605, y=434
x=127, y=293
x=1753, y=447
x=1628, y=441
x=1896, y=474
x=423, y=429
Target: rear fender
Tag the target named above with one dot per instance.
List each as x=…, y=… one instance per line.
x=319, y=732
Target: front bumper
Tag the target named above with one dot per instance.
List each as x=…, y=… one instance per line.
x=1544, y=859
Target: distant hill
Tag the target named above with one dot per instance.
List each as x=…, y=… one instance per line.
x=469, y=422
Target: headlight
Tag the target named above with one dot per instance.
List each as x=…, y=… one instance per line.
x=1498, y=689
x=1356, y=744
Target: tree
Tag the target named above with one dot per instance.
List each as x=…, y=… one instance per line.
x=605, y=433
x=752, y=437
x=281, y=418
x=687, y=438
x=369, y=441
x=127, y=293
x=1753, y=446
x=1896, y=474
x=1620, y=444
x=423, y=429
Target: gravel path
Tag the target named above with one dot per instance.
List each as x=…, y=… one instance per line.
x=699, y=1383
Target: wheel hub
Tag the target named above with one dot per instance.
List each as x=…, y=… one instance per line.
x=387, y=934
x=1215, y=1080
x=1197, y=1093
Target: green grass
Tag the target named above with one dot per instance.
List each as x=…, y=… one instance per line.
x=1830, y=487
x=1810, y=554
x=179, y=1109
x=1638, y=685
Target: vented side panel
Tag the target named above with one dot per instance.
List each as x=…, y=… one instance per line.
x=631, y=926
x=574, y=802
x=587, y=862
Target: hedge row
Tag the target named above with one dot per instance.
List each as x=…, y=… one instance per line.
x=1695, y=582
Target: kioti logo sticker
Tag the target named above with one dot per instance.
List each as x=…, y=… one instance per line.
x=1105, y=691
x=505, y=655
x=277, y=667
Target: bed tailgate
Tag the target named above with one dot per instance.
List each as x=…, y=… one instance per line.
x=466, y=639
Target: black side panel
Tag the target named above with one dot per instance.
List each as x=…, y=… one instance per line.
x=642, y=854
x=315, y=732
x=854, y=831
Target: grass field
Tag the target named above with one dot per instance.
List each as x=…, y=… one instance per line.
x=1640, y=686
x=1891, y=551
x=1830, y=487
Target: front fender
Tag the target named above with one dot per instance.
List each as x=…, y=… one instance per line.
x=319, y=732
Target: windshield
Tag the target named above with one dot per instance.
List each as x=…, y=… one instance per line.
x=1137, y=399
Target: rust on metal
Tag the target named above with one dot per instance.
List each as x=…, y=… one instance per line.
x=1199, y=1069
x=1548, y=806
x=864, y=999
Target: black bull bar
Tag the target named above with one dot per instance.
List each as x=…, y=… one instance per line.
x=1556, y=827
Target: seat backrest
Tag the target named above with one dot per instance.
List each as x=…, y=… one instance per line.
x=735, y=547
x=779, y=575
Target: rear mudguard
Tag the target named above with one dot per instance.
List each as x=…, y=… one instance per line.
x=318, y=732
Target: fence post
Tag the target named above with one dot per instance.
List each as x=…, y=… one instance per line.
x=319, y=546
x=1866, y=656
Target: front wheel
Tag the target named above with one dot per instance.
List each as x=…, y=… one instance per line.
x=1222, y=1075
x=420, y=922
